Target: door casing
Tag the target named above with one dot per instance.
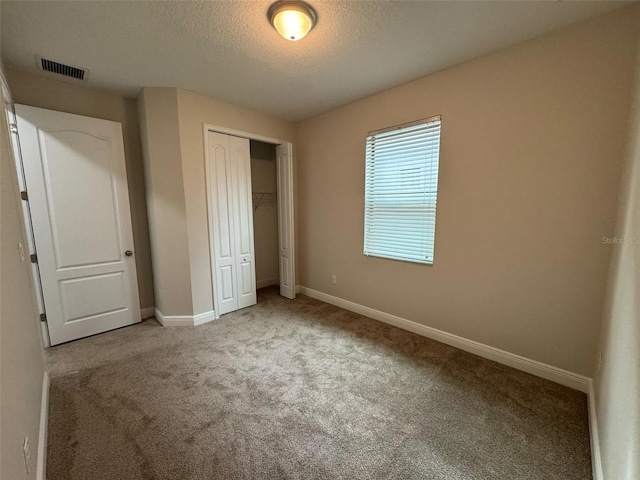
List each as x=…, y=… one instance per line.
x=26, y=213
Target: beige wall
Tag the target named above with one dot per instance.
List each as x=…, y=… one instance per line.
x=171, y=122
x=21, y=362
x=531, y=154
x=193, y=111
x=264, y=179
x=158, y=113
x=617, y=384
x=43, y=92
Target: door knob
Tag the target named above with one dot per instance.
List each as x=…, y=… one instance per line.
x=128, y=253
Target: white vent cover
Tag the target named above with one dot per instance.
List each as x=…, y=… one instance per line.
x=62, y=69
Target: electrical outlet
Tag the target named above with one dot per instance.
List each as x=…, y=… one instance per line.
x=21, y=252
x=26, y=450
x=334, y=279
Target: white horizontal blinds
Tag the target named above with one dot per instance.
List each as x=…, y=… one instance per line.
x=401, y=186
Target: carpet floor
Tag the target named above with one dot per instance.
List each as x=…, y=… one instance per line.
x=302, y=390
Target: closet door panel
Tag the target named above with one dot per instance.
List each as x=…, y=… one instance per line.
x=222, y=220
x=243, y=220
x=285, y=221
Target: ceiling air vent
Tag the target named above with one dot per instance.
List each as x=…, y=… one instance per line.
x=47, y=65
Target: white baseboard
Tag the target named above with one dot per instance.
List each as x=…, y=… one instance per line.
x=184, y=320
x=596, y=460
x=205, y=317
x=147, y=313
x=558, y=375
x=267, y=282
x=41, y=468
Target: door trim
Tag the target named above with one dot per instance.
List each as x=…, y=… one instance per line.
x=9, y=111
x=282, y=210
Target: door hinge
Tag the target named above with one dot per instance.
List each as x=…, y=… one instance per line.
x=43, y=317
x=13, y=128
x=24, y=196
x=34, y=258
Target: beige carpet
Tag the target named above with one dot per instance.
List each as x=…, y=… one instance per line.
x=302, y=390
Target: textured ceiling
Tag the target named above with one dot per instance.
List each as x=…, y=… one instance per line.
x=228, y=50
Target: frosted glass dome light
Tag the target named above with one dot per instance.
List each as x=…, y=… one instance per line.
x=292, y=19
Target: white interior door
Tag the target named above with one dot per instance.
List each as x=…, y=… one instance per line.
x=77, y=188
x=243, y=221
x=284, y=159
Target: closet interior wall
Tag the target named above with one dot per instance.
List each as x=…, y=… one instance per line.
x=264, y=182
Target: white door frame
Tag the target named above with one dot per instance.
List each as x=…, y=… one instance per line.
x=9, y=110
x=286, y=180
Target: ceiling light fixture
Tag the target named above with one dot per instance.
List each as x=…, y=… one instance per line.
x=293, y=19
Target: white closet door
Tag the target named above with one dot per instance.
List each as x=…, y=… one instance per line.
x=285, y=221
x=77, y=186
x=231, y=222
x=222, y=223
x=243, y=221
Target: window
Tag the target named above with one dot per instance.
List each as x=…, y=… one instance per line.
x=401, y=187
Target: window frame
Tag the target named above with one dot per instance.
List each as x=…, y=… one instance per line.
x=427, y=223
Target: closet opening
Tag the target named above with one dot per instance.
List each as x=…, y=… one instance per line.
x=249, y=181
x=264, y=194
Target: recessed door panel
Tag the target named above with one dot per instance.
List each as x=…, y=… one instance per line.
x=227, y=284
x=77, y=170
x=248, y=287
x=284, y=272
x=245, y=210
x=85, y=297
x=225, y=233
